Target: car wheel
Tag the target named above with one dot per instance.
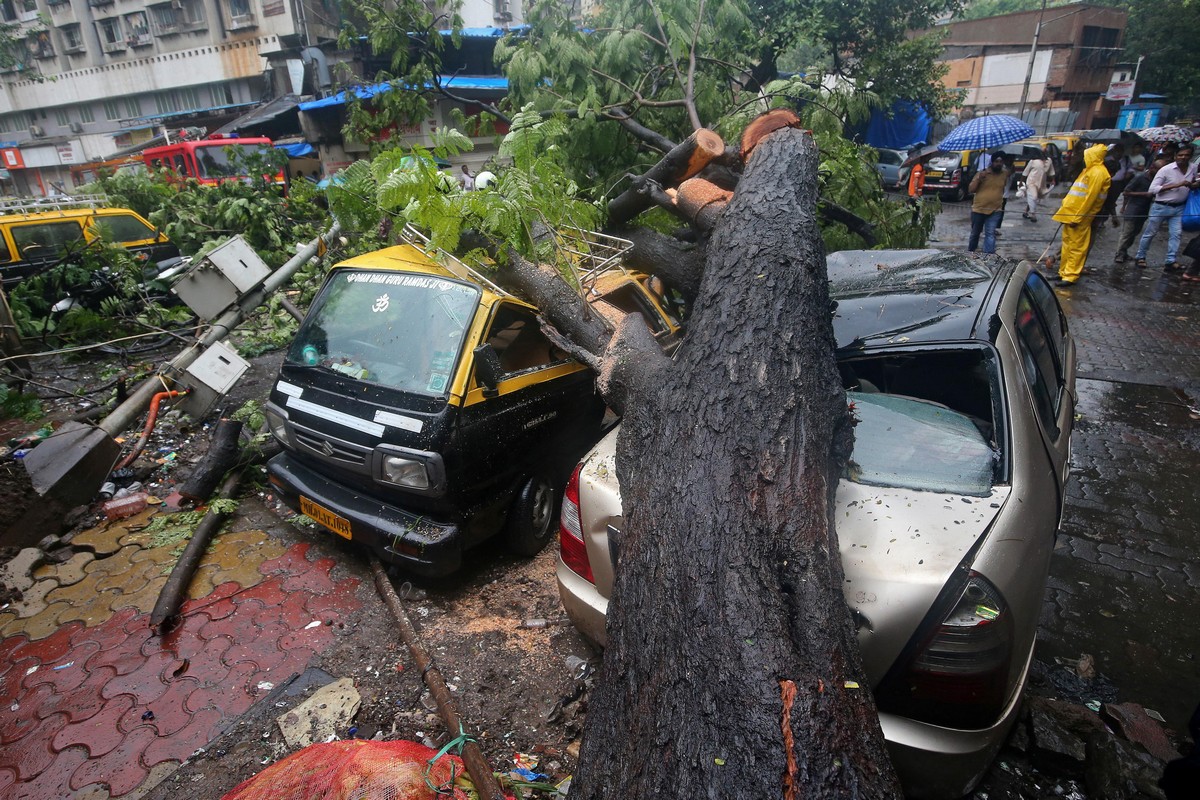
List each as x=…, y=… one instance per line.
x=531, y=517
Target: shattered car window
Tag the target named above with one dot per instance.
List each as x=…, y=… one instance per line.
x=400, y=330
x=915, y=444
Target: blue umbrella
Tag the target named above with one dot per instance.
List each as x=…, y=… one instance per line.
x=986, y=132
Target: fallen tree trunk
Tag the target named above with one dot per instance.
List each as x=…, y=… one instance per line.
x=732, y=668
x=683, y=161
x=222, y=454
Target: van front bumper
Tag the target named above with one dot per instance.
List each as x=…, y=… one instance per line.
x=415, y=542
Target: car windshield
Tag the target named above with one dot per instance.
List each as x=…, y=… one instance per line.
x=908, y=443
x=400, y=330
x=890, y=157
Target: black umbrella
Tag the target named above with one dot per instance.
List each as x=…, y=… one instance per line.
x=1110, y=136
x=919, y=154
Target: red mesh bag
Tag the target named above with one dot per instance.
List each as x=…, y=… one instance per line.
x=357, y=769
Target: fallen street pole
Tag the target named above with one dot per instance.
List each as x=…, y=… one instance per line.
x=481, y=773
x=74, y=461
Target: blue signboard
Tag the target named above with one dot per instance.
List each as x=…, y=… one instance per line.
x=1136, y=116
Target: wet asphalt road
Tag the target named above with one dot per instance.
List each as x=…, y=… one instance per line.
x=1125, y=579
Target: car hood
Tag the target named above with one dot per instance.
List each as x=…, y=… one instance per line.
x=899, y=548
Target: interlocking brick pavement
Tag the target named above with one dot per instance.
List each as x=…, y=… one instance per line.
x=99, y=705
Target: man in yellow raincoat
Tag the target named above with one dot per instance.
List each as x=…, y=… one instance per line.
x=1078, y=208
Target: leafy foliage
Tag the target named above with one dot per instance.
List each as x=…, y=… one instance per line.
x=1172, y=60
x=15, y=404
x=867, y=43
x=405, y=35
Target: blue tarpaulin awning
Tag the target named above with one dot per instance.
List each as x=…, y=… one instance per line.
x=908, y=125
x=298, y=150
x=457, y=83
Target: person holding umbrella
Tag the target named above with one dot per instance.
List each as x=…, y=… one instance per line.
x=1080, y=206
x=988, y=205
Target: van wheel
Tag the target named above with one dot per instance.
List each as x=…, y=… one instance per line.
x=531, y=517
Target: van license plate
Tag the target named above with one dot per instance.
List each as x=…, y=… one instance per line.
x=933, y=174
x=339, y=525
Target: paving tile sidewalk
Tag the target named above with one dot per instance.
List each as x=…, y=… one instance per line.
x=98, y=705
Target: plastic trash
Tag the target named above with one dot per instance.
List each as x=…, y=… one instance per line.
x=108, y=490
x=578, y=667
x=535, y=623
x=121, y=507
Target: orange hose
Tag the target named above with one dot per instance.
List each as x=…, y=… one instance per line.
x=151, y=419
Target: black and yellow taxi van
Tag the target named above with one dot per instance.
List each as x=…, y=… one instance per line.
x=422, y=410
x=38, y=234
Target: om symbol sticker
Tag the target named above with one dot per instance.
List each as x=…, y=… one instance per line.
x=381, y=304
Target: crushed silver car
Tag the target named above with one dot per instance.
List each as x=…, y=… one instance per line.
x=961, y=376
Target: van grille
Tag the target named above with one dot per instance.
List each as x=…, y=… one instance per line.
x=331, y=449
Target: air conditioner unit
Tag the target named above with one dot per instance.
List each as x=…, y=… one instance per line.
x=36, y=130
x=76, y=127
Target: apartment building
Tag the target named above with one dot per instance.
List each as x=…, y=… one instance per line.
x=109, y=75
x=1053, y=67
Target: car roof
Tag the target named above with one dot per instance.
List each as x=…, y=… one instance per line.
x=913, y=296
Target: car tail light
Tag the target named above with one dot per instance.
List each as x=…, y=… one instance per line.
x=956, y=178
x=570, y=532
x=955, y=671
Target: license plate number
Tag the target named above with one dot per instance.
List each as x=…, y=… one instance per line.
x=933, y=174
x=339, y=525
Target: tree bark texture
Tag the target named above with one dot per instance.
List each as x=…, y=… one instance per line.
x=732, y=664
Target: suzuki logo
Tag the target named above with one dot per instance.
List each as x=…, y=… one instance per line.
x=326, y=448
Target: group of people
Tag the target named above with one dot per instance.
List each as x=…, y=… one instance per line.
x=1153, y=197
x=1153, y=194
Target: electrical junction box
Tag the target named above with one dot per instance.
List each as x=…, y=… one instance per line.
x=210, y=377
x=214, y=285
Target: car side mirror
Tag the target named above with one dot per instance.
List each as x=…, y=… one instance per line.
x=488, y=369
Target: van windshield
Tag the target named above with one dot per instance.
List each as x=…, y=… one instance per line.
x=400, y=330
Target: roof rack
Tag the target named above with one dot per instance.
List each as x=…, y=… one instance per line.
x=413, y=236
x=32, y=205
x=591, y=253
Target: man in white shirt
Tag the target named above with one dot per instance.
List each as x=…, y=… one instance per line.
x=1170, y=191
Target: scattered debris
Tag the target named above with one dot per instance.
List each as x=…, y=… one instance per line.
x=320, y=717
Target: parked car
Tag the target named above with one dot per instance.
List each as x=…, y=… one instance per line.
x=38, y=234
x=948, y=173
x=961, y=375
x=422, y=410
x=1020, y=153
x=893, y=174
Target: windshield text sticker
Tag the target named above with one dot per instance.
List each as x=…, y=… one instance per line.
x=418, y=281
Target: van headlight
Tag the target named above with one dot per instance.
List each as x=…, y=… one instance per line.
x=416, y=470
x=277, y=422
x=407, y=472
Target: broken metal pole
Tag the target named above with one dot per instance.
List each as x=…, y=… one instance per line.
x=170, y=598
x=74, y=462
x=125, y=414
x=481, y=773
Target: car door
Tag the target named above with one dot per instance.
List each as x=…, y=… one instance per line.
x=540, y=397
x=1048, y=355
